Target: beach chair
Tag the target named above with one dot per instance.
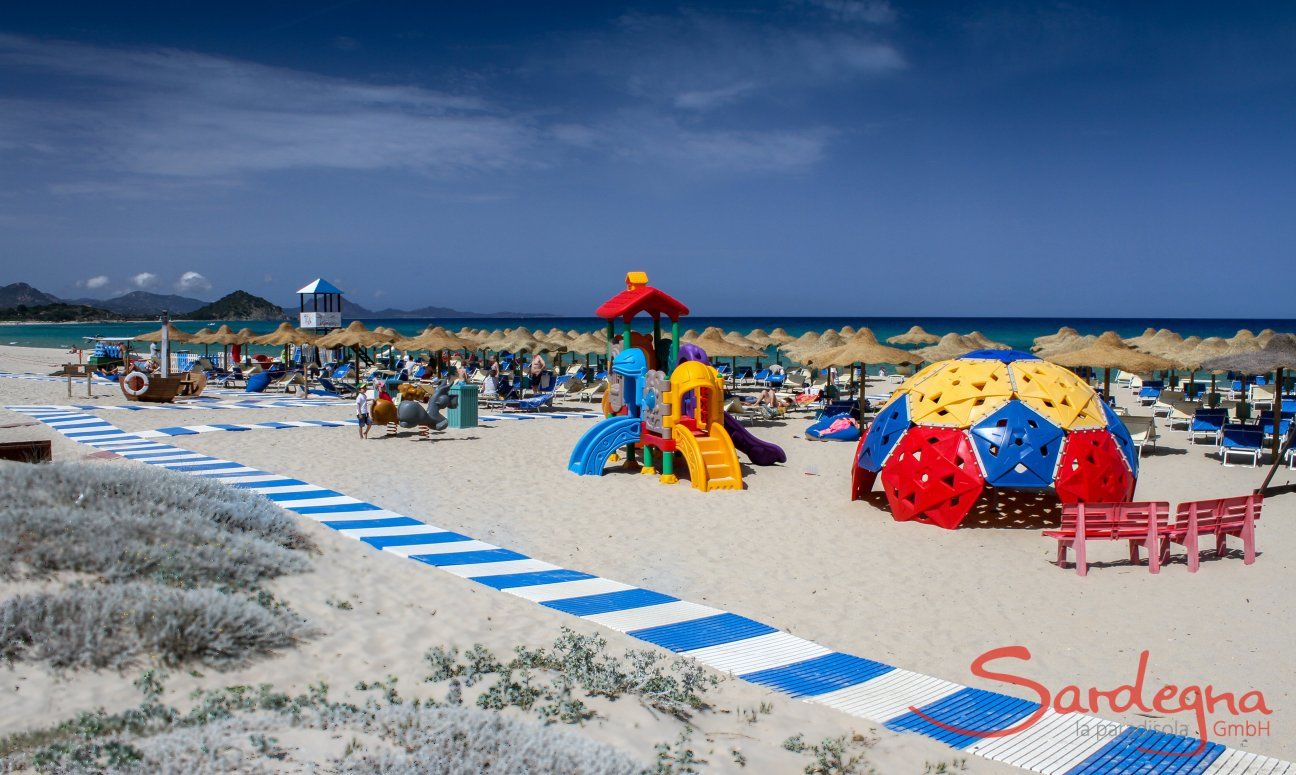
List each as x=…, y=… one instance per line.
x=1207, y=423
x=532, y=404
x=337, y=389
x=1262, y=398
x=1181, y=415
x=1221, y=518
x=593, y=392
x=287, y=381
x=1148, y=396
x=1142, y=431
x=1142, y=524
x=1245, y=441
x=570, y=385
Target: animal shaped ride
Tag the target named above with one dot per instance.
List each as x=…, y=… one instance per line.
x=411, y=412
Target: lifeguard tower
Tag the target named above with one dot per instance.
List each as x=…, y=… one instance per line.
x=320, y=305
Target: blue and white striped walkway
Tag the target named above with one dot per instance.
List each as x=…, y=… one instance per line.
x=753, y=651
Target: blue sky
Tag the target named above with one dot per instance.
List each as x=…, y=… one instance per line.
x=800, y=156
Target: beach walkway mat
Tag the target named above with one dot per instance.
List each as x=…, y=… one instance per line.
x=979, y=722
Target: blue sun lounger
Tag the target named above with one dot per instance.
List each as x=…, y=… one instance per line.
x=1241, y=441
x=532, y=404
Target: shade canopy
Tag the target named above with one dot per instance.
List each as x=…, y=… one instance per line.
x=224, y=335
x=1066, y=344
x=781, y=336
x=354, y=335
x=174, y=334
x=201, y=336
x=865, y=348
x=985, y=342
x=761, y=337
x=952, y=345
x=285, y=334
x=319, y=285
x=713, y=341
x=433, y=338
x=1277, y=353
x=587, y=344
x=914, y=336
x=734, y=337
x=1111, y=352
x=1048, y=340
x=1208, y=348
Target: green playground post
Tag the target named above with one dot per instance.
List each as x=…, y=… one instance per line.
x=674, y=351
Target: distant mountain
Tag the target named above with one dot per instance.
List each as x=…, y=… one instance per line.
x=446, y=312
x=57, y=312
x=239, y=305
x=145, y=304
x=353, y=311
x=23, y=294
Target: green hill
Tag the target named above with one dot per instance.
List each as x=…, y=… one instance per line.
x=239, y=305
x=56, y=313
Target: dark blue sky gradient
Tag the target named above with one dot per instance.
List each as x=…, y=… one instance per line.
x=797, y=157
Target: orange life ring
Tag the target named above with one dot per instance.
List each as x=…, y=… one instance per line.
x=135, y=392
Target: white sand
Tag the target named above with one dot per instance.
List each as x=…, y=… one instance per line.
x=792, y=551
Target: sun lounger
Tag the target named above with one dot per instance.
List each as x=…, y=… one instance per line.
x=1207, y=423
x=1143, y=431
x=1241, y=441
x=1149, y=395
x=532, y=404
x=1218, y=518
x=340, y=389
x=593, y=392
x=1142, y=524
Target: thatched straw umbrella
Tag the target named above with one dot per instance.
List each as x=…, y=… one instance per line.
x=713, y=341
x=286, y=336
x=1048, y=340
x=914, y=336
x=201, y=336
x=862, y=348
x=1069, y=344
x=1111, y=352
x=985, y=342
x=587, y=344
x=952, y=345
x=173, y=334
x=781, y=336
x=1141, y=339
x=1192, y=359
x=847, y=331
x=760, y=337
x=1277, y=355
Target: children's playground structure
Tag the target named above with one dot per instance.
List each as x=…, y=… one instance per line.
x=659, y=415
x=993, y=419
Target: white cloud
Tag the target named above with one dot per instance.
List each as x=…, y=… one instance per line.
x=184, y=115
x=144, y=279
x=192, y=282
x=98, y=281
x=641, y=137
x=696, y=61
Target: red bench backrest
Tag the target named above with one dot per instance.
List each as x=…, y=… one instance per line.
x=1220, y=514
x=1109, y=519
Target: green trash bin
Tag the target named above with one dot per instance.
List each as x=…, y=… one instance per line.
x=465, y=414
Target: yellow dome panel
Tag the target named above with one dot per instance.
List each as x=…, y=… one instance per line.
x=1057, y=394
x=961, y=394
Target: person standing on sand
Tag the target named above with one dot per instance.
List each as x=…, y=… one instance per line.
x=538, y=367
x=362, y=413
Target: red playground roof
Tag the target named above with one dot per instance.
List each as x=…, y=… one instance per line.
x=640, y=297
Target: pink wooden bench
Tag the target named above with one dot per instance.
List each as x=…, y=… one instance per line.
x=1220, y=518
x=1143, y=524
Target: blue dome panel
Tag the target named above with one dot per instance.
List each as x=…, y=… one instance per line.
x=1017, y=447
x=884, y=434
x=1124, y=441
x=1004, y=356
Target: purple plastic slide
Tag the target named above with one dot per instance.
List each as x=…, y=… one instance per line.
x=762, y=453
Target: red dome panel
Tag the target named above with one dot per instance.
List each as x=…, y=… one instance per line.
x=933, y=476
x=1092, y=469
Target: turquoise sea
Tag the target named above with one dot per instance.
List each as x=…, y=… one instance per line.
x=1018, y=332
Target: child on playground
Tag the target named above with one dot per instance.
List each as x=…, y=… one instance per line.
x=362, y=413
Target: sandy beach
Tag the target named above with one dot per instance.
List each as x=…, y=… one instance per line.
x=791, y=550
